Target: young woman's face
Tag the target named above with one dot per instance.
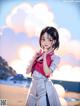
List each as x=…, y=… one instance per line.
x=47, y=42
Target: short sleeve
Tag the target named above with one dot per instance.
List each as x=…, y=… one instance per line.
x=55, y=62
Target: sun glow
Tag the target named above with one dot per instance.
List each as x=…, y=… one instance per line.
x=25, y=54
x=19, y=66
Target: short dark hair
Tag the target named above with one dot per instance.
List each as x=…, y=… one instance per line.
x=53, y=33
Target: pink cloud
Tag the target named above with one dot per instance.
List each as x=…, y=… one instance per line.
x=30, y=19
x=68, y=46
x=67, y=73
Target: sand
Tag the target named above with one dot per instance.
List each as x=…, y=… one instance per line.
x=16, y=96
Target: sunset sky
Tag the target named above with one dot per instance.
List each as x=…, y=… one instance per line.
x=20, y=24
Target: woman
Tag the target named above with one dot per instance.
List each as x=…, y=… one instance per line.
x=42, y=91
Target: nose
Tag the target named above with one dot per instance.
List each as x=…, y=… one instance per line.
x=46, y=42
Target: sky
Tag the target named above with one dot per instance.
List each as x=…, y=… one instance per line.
x=20, y=24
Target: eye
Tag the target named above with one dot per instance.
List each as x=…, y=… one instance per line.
x=43, y=39
x=50, y=40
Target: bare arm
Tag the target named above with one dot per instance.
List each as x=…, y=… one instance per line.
x=28, y=70
x=54, y=64
x=45, y=66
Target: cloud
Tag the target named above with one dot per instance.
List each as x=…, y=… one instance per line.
x=30, y=19
x=23, y=26
x=70, y=59
x=16, y=18
x=67, y=73
x=25, y=55
x=11, y=41
x=0, y=32
x=68, y=46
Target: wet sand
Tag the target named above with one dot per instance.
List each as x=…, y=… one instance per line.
x=16, y=96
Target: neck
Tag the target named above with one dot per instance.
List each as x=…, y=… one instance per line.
x=50, y=51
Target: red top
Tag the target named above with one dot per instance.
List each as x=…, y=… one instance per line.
x=38, y=64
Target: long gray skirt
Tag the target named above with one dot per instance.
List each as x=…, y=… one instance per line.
x=42, y=92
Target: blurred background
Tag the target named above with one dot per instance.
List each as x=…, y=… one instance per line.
x=21, y=22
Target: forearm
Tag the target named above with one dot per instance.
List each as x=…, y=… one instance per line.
x=47, y=70
x=28, y=70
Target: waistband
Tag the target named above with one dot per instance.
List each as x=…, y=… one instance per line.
x=36, y=75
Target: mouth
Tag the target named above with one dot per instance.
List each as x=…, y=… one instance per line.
x=46, y=46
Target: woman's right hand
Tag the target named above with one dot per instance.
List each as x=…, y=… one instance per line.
x=38, y=54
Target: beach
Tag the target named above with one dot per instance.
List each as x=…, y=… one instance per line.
x=16, y=96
